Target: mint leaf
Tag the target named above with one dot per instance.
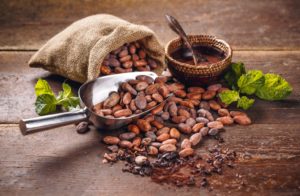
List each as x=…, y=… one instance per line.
x=248, y=83
x=42, y=87
x=45, y=104
x=229, y=96
x=67, y=92
x=69, y=102
x=274, y=88
x=234, y=73
x=245, y=103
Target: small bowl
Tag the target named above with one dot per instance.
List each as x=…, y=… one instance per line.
x=198, y=75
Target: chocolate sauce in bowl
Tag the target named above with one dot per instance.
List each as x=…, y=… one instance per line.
x=212, y=54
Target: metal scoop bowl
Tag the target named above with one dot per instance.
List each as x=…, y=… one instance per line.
x=90, y=93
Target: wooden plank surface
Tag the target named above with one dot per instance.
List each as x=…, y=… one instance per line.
x=60, y=160
x=263, y=25
x=265, y=35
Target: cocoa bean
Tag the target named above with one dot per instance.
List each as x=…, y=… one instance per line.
x=163, y=90
x=237, y=113
x=215, y=124
x=190, y=122
x=125, y=58
x=184, y=128
x=202, y=120
x=167, y=148
x=214, y=87
x=123, y=53
x=225, y=120
x=163, y=130
x=127, y=98
x=180, y=93
x=204, y=105
x=242, y=119
x=158, y=109
x=143, y=125
x=213, y=131
x=132, y=105
x=223, y=112
x=139, y=63
x=157, y=97
x=151, y=105
x=114, y=62
x=174, y=133
x=122, y=113
x=157, y=124
x=127, y=87
x=195, y=90
x=112, y=100
x=178, y=119
x=82, y=127
x=142, y=54
x=204, y=131
x=136, y=141
x=105, y=70
x=161, y=79
x=195, y=139
x=214, y=105
x=165, y=116
x=132, y=49
x=170, y=141
x=152, y=150
x=207, y=95
x=151, y=134
x=145, y=78
x=156, y=144
x=173, y=109
x=151, y=89
x=125, y=144
x=186, y=144
x=186, y=152
x=127, y=136
x=141, y=86
x=183, y=112
x=140, y=102
x=111, y=140
x=197, y=127
x=127, y=64
x=134, y=129
x=196, y=96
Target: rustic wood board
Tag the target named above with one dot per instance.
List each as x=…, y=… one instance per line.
x=265, y=35
x=61, y=161
x=262, y=25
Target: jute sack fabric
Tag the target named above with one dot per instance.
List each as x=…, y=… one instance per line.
x=78, y=51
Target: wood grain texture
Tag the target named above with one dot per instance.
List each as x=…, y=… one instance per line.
x=17, y=82
x=45, y=165
x=262, y=25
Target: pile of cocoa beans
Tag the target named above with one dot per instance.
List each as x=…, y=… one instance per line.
x=130, y=57
x=179, y=124
x=133, y=97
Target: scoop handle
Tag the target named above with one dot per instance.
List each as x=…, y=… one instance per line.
x=33, y=125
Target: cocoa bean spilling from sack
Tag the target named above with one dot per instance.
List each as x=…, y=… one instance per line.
x=128, y=58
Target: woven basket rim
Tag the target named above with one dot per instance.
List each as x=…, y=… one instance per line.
x=228, y=55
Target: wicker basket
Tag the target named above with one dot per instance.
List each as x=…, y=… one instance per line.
x=198, y=75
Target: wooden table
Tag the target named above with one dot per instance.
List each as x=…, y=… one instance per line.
x=264, y=34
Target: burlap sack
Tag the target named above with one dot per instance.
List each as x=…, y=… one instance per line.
x=78, y=51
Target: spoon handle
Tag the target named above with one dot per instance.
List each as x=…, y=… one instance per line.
x=176, y=27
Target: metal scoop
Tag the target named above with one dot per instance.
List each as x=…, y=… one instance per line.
x=90, y=93
x=176, y=27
